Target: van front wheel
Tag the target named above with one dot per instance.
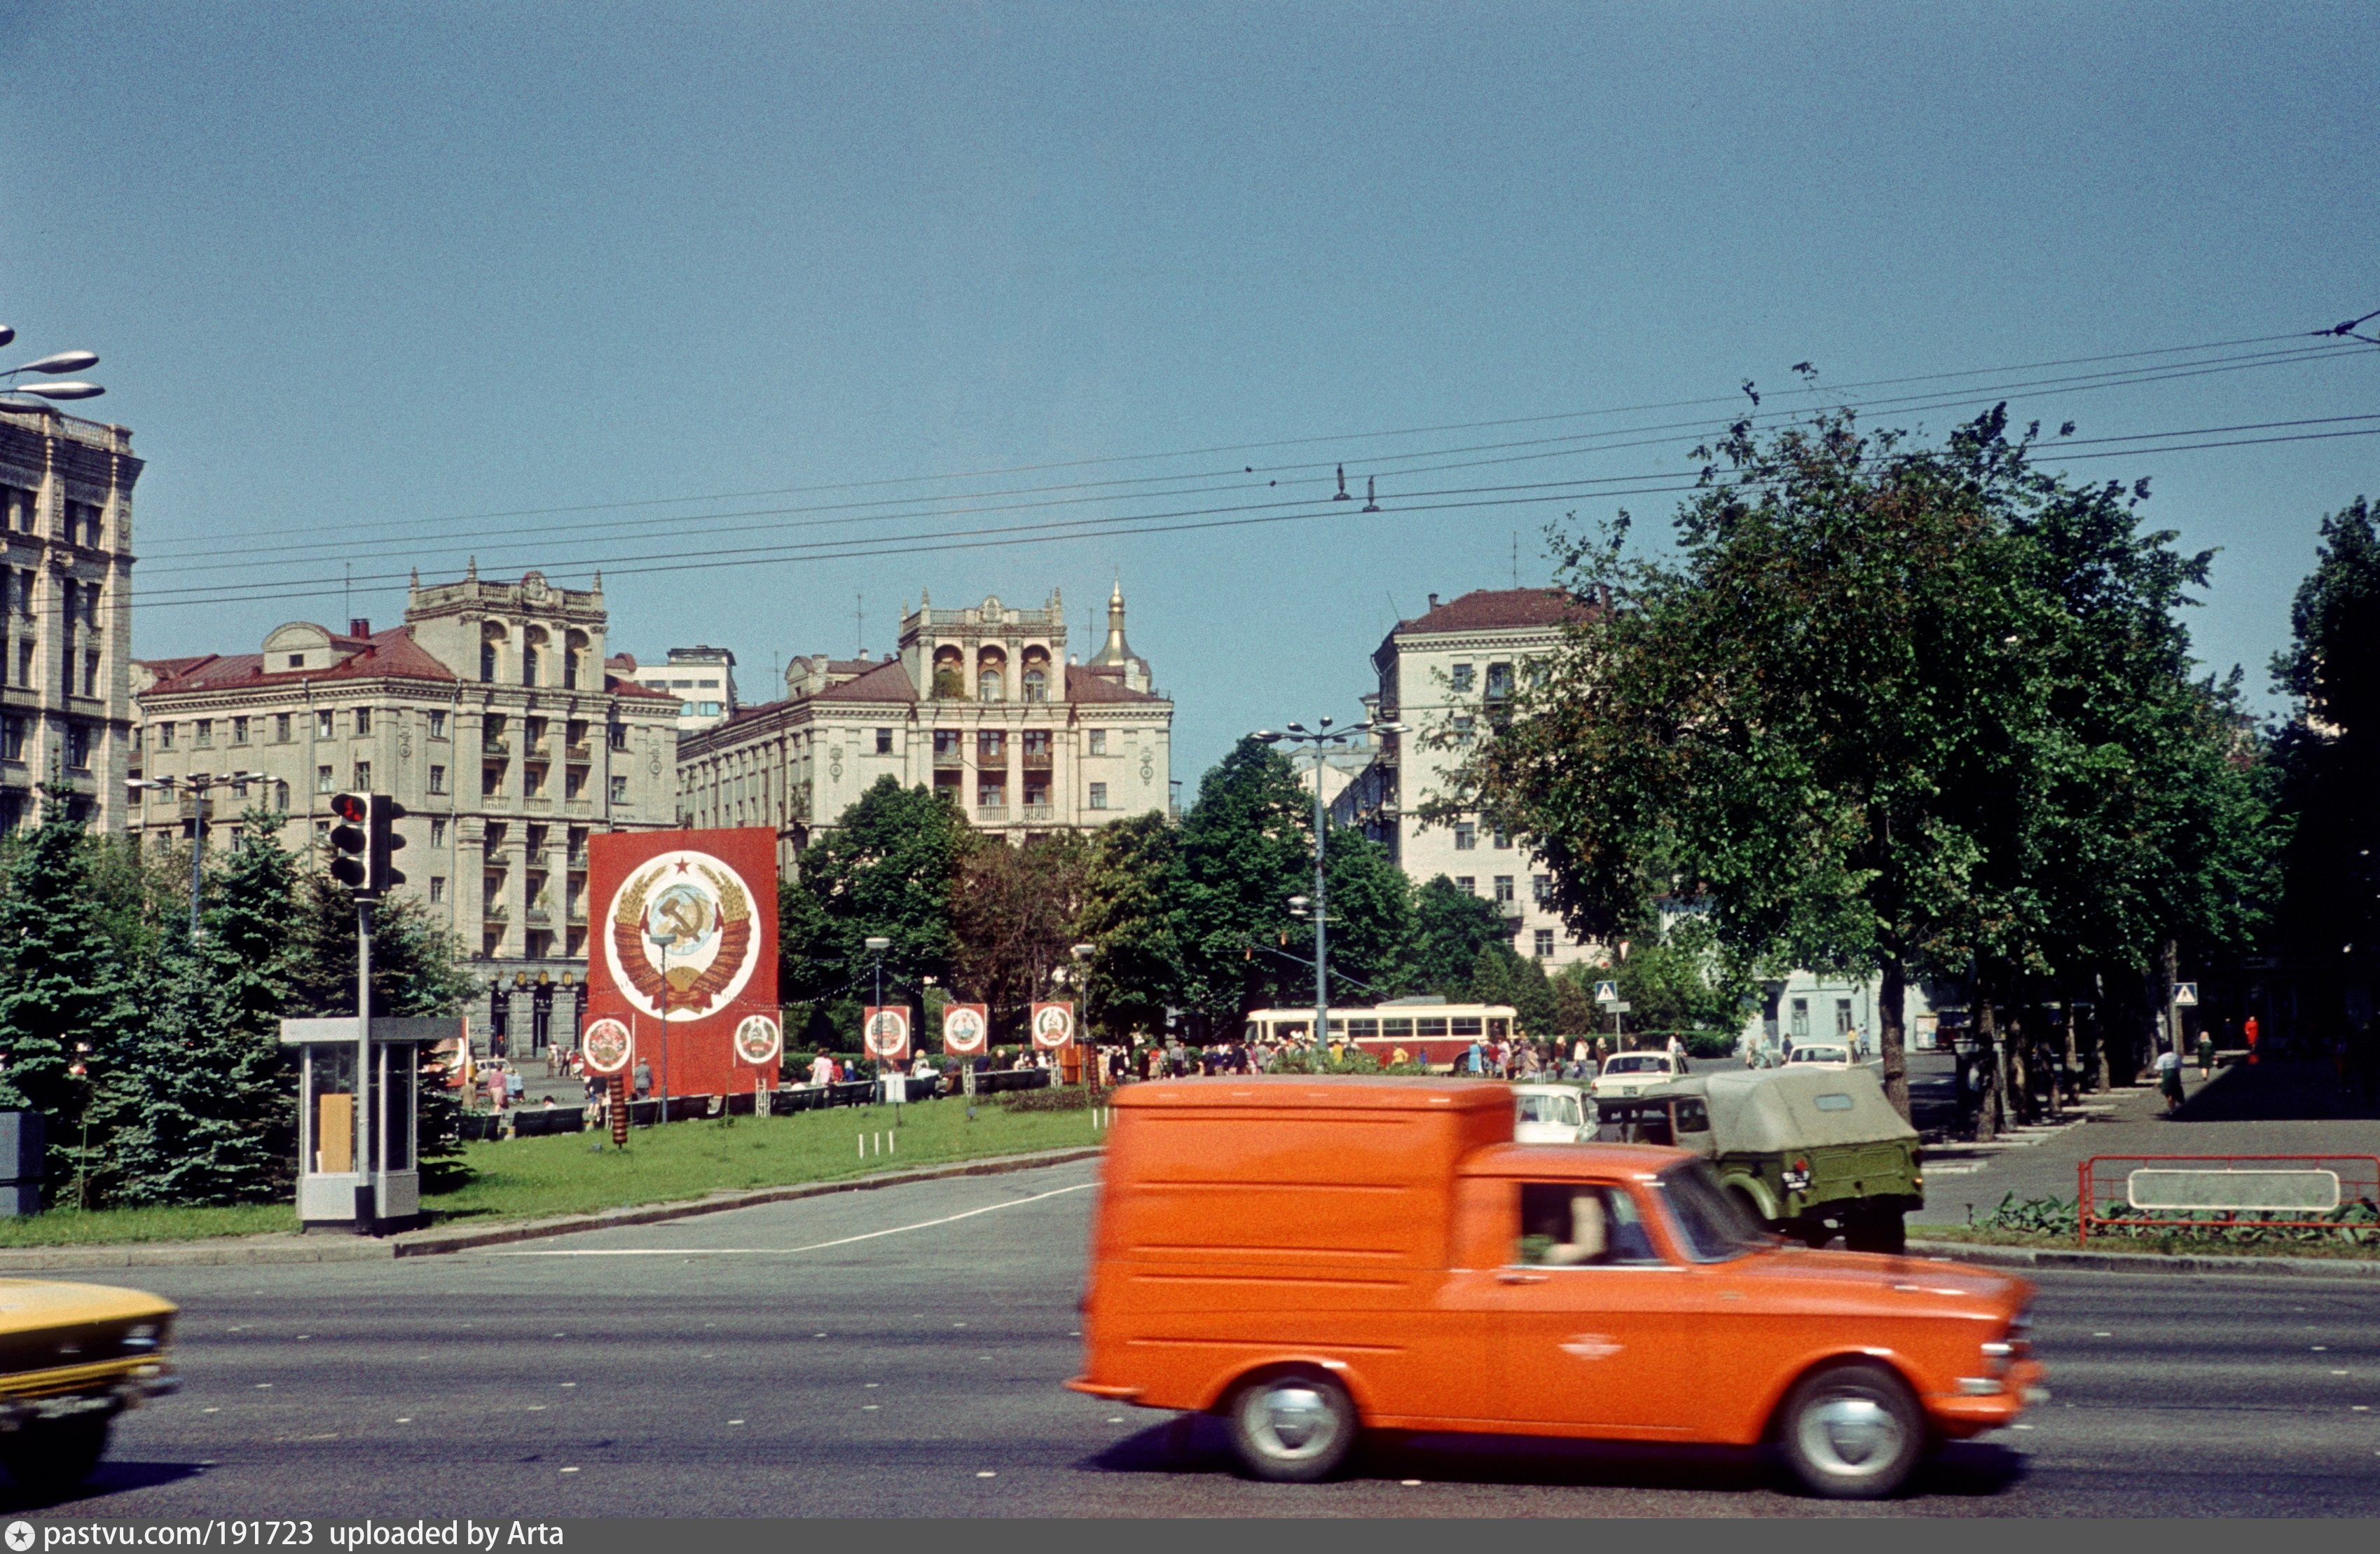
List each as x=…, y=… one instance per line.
x=1292, y=1426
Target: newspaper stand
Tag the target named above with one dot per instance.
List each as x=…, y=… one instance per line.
x=335, y=1191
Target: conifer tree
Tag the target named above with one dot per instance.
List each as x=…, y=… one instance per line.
x=61, y=989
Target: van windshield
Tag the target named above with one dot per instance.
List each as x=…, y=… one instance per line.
x=1711, y=1225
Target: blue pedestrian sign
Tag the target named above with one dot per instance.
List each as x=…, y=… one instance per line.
x=2184, y=994
x=1607, y=992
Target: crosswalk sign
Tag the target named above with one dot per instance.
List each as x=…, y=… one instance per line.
x=1607, y=992
x=2185, y=993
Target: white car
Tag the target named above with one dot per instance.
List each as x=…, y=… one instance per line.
x=1632, y=1074
x=1821, y=1055
x=1550, y=1115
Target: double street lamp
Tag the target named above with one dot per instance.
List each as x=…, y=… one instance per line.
x=1319, y=739
x=199, y=787
x=15, y=396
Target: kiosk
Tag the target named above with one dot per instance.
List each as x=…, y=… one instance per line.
x=334, y=1190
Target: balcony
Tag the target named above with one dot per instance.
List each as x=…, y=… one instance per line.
x=948, y=760
x=539, y=915
x=496, y=912
x=991, y=814
x=578, y=861
x=496, y=746
x=1038, y=815
x=577, y=912
x=580, y=753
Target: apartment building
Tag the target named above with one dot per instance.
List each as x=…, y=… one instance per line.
x=65, y=624
x=983, y=703
x=1445, y=673
x=488, y=714
x=703, y=679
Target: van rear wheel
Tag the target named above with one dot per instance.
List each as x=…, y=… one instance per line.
x=1292, y=1426
x=1851, y=1431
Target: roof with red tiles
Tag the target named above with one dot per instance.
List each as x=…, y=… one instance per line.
x=1486, y=609
x=1086, y=683
x=386, y=655
x=870, y=681
x=618, y=686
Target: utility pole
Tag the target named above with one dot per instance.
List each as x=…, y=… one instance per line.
x=1318, y=739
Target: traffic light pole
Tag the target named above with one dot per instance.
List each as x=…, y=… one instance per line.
x=366, y=1208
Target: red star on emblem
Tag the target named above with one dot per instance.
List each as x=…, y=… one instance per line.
x=681, y=865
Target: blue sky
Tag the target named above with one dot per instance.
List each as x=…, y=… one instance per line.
x=362, y=276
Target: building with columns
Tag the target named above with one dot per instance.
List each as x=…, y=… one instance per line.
x=488, y=714
x=1445, y=673
x=982, y=703
x=66, y=619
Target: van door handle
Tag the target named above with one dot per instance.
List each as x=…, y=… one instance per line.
x=1521, y=1278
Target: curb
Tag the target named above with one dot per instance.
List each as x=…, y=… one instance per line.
x=293, y=1249
x=2051, y=1260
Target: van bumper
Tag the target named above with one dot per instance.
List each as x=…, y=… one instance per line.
x=1966, y=1414
x=1104, y=1390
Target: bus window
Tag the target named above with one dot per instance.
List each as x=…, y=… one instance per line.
x=1337, y=1028
x=1499, y=1028
x=1289, y=1030
x=1466, y=1025
x=1430, y=1028
x=1255, y=1031
x=1396, y=1027
x=1363, y=1028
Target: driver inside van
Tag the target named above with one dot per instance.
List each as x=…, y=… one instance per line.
x=1567, y=1225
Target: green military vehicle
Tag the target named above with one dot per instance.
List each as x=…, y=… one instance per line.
x=1811, y=1152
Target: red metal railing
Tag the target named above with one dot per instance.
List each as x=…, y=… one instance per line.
x=2106, y=1197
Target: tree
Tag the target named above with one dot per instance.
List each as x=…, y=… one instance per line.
x=1370, y=905
x=2327, y=756
x=1451, y=929
x=1129, y=917
x=886, y=871
x=62, y=990
x=1245, y=849
x=1013, y=915
x=201, y=1109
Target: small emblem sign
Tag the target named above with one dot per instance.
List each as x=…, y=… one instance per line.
x=1053, y=1026
x=759, y=1040
x=607, y=1046
x=965, y=1030
x=885, y=1033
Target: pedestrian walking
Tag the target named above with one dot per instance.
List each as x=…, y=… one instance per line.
x=2206, y=1054
x=2252, y=1031
x=644, y=1080
x=2168, y=1069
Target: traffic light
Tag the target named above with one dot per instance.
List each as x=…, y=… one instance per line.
x=363, y=840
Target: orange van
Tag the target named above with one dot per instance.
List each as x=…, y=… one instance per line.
x=1310, y=1256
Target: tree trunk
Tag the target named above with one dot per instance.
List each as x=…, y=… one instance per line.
x=2168, y=1014
x=2100, y=1026
x=1987, y=1063
x=2019, y=1082
x=1892, y=1035
x=2068, y=1080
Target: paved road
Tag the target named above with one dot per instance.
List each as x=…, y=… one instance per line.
x=899, y=1352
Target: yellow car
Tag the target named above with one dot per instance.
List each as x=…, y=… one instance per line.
x=72, y=1357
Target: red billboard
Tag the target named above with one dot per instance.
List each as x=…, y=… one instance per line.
x=684, y=951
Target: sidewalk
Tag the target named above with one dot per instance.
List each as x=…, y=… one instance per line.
x=2272, y=1109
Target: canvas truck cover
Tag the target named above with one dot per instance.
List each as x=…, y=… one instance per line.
x=1766, y=1111
x=1242, y=1195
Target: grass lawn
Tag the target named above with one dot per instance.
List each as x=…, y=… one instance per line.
x=2197, y=1246
x=530, y=1178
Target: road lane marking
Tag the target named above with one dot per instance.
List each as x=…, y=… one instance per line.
x=781, y=1251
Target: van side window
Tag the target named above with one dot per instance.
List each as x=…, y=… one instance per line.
x=1693, y=1117
x=1577, y=1224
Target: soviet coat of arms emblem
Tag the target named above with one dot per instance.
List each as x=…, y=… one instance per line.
x=680, y=938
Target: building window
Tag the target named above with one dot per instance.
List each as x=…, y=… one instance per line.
x=1503, y=887
x=25, y=662
x=533, y=780
x=573, y=781
x=323, y=782
x=281, y=796
x=987, y=686
x=363, y=776
x=569, y=670
x=1463, y=727
x=1500, y=680
x=619, y=790
x=529, y=664
x=437, y=725
x=1462, y=677
x=1467, y=884
x=164, y=736
x=883, y=741
x=281, y=728
x=437, y=889
x=991, y=746
x=438, y=830
x=1541, y=888
x=619, y=736
x=438, y=779
x=297, y=661
x=12, y=738
x=1466, y=836
x=1545, y=942
x=1036, y=685
x=949, y=747
x=1503, y=838
x=1800, y=1028
x=240, y=731
x=79, y=746
x=204, y=735
x=1099, y=796
x=327, y=725
x=91, y=674
x=1098, y=742
x=364, y=721
x=487, y=664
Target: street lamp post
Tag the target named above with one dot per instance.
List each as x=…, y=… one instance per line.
x=15, y=396
x=1083, y=954
x=200, y=786
x=1318, y=740
x=877, y=944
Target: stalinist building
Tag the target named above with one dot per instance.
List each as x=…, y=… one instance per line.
x=983, y=703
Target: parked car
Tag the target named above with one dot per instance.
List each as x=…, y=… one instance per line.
x=72, y=1357
x=1310, y=1257
x=1809, y=1149
x=1551, y=1115
x=1630, y=1074
x=1821, y=1054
